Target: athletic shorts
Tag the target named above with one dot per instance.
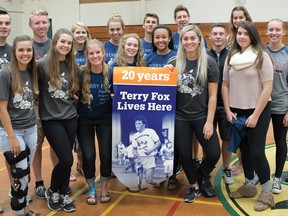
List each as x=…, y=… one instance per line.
x=145, y=162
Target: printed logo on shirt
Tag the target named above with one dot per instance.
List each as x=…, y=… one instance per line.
x=25, y=100
x=3, y=61
x=279, y=67
x=62, y=93
x=187, y=84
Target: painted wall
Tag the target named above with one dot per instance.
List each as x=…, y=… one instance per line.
x=65, y=12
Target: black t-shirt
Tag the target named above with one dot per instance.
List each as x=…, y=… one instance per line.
x=100, y=104
x=192, y=99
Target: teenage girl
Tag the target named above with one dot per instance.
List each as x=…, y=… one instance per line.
x=115, y=28
x=162, y=44
x=58, y=83
x=279, y=104
x=18, y=86
x=95, y=118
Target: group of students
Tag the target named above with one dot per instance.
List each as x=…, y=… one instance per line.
x=76, y=70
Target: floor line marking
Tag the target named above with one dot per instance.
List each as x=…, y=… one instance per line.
x=114, y=204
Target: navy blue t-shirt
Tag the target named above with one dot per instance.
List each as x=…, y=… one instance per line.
x=100, y=104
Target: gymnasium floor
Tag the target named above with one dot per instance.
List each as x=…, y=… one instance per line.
x=160, y=202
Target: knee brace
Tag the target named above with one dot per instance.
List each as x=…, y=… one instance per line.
x=18, y=173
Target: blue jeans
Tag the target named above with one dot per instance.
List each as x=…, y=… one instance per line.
x=25, y=137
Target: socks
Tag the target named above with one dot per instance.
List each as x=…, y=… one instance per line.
x=248, y=181
x=266, y=187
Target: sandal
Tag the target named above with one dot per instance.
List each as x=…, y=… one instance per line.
x=31, y=213
x=91, y=199
x=105, y=198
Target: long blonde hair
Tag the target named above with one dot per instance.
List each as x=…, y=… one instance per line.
x=85, y=89
x=82, y=25
x=120, y=57
x=201, y=77
x=53, y=65
x=17, y=85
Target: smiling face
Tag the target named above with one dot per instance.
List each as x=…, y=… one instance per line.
x=23, y=54
x=115, y=31
x=63, y=46
x=80, y=35
x=243, y=38
x=238, y=17
x=5, y=26
x=39, y=25
x=161, y=40
x=182, y=19
x=131, y=47
x=275, y=31
x=95, y=55
x=190, y=42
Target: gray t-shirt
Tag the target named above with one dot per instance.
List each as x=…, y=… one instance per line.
x=20, y=106
x=55, y=104
x=41, y=49
x=279, y=93
x=192, y=99
x=5, y=55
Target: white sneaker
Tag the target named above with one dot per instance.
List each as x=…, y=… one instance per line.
x=227, y=176
x=276, y=186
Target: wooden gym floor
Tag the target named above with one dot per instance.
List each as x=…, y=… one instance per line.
x=152, y=201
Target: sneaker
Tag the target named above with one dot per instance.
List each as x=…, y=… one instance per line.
x=191, y=195
x=40, y=191
x=255, y=180
x=276, y=186
x=53, y=200
x=206, y=187
x=227, y=176
x=1, y=209
x=67, y=204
